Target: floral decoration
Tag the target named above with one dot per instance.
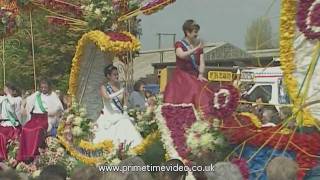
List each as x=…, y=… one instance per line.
x=53, y=154
x=254, y=119
x=305, y=145
x=224, y=102
x=202, y=137
x=9, y=22
x=173, y=122
x=105, y=44
x=308, y=18
x=74, y=125
x=154, y=6
x=145, y=121
x=287, y=54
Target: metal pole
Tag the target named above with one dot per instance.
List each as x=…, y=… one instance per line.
x=3, y=63
x=159, y=41
x=33, y=60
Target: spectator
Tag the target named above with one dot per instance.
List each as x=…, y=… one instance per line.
x=9, y=175
x=224, y=171
x=53, y=170
x=285, y=113
x=136, y=162
x=282, y=168
x=173, y=175
x=112, y=175
x=137, y=99
x=313, y=174
x=85, y=173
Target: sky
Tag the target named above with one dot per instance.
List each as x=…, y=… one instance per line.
x=220, y=20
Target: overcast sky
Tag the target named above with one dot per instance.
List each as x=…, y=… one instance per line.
x=220, y=20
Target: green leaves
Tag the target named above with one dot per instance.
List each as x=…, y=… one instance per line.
x=54, y=49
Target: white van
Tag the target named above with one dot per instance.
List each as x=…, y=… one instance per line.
x=266, y=83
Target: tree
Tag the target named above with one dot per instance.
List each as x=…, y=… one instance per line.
x=54, y=48
x=259, y=35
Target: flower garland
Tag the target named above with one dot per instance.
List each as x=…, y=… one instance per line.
x=105, y=44
x=89, y=146
x=53, y=154
x=172, y=120
x=308, y=18
x=155, y=5
x=202, y=137
x=305, y=145
x=287, y=35
x=254, y=119
x=73, y=152
x=224, y=102
x=149, y=140
x=9, y=22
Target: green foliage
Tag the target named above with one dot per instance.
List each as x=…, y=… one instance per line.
x=259, y=35
x=54, y=48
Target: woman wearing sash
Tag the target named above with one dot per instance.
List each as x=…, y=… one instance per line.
x=9, y=121
x=188, y=77
x=114, y=124
x=44, y=109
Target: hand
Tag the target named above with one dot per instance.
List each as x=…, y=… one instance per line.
x=200, y=46
x=201, y=78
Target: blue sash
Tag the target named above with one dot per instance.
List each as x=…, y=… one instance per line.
x=193, y=58
x=115, y=100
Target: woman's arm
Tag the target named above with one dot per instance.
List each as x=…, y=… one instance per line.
x=104, y=94
x=184, y=54
x=202, y=68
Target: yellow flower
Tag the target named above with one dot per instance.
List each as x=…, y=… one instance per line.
x=287, y=55
x=254, y=119
x=104, y=44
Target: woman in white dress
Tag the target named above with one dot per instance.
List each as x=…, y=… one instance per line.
x=114, y=123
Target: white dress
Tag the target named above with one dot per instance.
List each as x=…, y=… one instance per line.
x=116, y=126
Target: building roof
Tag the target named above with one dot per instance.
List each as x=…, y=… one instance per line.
x=215, y=52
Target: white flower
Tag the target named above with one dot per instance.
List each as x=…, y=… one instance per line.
x=115, y=161
x=83, y=112
x=98, y=12
x=76, y=131
x=77, y=121
x=219, y=141
x=83, y=7
x=104, y=19
x=60, y=151
x=200, y=127
x=206, y=140
x=192, y=142
x=69, y=118
x=36, y=173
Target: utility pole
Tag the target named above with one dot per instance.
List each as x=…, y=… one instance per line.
x=159, y=42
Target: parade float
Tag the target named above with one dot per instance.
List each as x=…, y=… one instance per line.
x=187, y=132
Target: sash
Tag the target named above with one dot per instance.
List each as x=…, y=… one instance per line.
x=193, y=58
x=39, y=102
x=12, y=117
x=115, y=100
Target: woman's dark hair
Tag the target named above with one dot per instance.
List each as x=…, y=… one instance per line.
x=10, y=86
x=108, y=70
x=137, y=85
x=189, y=26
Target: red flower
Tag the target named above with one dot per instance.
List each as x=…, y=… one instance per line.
x=307, y=9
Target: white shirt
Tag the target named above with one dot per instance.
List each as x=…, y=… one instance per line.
x=11, y=105
x=51, y=103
